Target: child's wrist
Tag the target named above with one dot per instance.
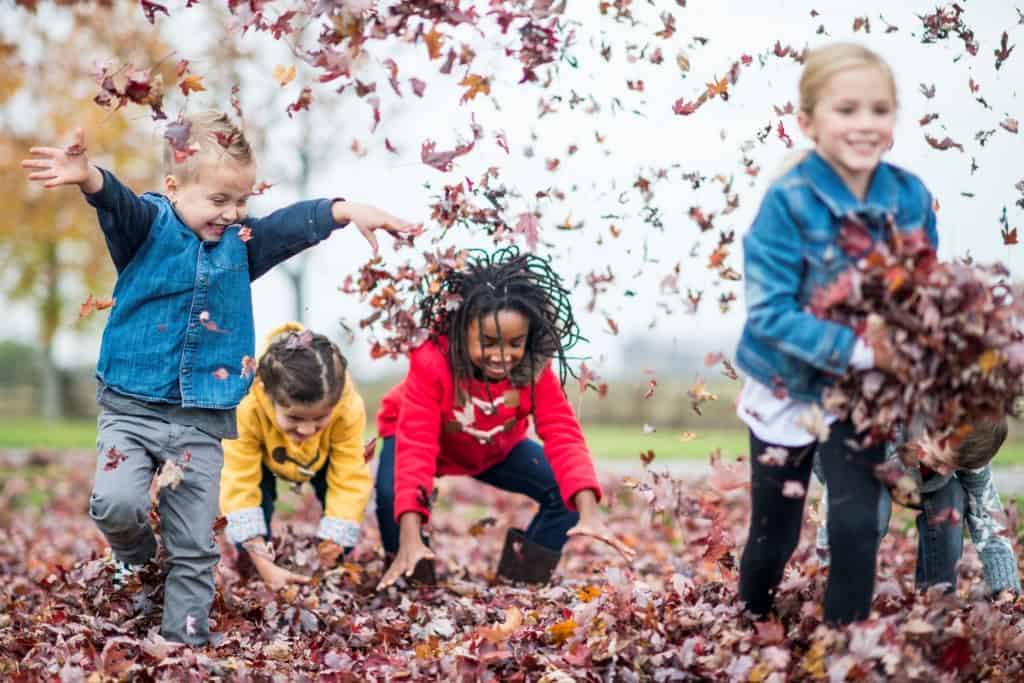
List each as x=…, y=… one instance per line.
x=341, y=210
x=93, y=182
x=586, y=503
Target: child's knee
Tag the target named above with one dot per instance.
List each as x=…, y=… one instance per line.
x=115, y=511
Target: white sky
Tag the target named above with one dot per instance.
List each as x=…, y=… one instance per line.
x=708, y=141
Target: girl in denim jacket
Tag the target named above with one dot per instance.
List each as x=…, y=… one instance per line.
x=848, y=108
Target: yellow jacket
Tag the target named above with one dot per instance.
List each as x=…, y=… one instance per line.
x=339, y=447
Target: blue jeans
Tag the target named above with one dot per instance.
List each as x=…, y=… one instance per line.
x=525, y=470
x=940, y=545
x=268, y=492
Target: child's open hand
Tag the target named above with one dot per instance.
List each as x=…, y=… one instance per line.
x=64, y=166
x=369, y=218
x=276, y=577
x=597, y=529
x=409, y=555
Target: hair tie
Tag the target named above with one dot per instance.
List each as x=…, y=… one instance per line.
x=297, y=340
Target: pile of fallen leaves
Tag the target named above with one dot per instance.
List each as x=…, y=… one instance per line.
x=952, y=329
x=671, y=616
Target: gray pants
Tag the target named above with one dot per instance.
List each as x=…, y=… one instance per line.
x=120, y=507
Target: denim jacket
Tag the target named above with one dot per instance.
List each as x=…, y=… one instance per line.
x=182, y=318
x=792, y=249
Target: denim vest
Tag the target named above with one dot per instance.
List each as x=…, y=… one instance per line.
x=183, y=318
x=791, y=250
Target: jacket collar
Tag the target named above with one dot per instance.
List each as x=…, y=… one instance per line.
x=882, y=197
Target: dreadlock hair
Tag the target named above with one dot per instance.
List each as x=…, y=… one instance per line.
x=302, y=368
x=504, y=280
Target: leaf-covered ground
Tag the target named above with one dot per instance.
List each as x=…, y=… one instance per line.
x=673, y=615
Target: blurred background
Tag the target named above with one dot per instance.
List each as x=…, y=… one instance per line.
x=594, y=151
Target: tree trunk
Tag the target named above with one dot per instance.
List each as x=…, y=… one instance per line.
x=50, y=404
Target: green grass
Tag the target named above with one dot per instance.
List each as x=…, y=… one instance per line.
x=31, y=432
x=615, y=442
x=607, y=442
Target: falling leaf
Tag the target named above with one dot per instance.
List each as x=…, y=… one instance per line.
x=1010, y=125
x=652, y=384
x=1003, y=51
x=150, y=9
x=170, y=475
x=477, y=528
x=686, y=437
x=647, y=457
x=728, y=476
x=793, y=489
x=474, y=84
x=91, y=304
x=774, y=456
x=283, y=76
x=369, y=449
x=434, y=41
x=245, y=233
x=114, y=458
x=813, y=422
x=529, y=226
x=191, y=83
x=221, y=373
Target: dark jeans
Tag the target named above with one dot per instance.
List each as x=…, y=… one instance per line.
x=268, y=495
x=940, y=537
x=525, y=470
x=775, y=521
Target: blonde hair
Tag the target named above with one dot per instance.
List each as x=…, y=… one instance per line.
x=820, y=65
x=217, y=138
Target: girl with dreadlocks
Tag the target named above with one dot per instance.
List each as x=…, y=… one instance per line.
x=496, y=325
x=302, y=420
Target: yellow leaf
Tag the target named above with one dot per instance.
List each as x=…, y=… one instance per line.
x=434, y=39
x=283, y=76
x=687, y=436
x=718, y=87
x=474, y=84
x=191, y=83
x=988, y=361
x=562, y=631
x=758, y=673
x=588, y=593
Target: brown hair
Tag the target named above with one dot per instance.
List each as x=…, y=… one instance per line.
x=981, y=445
x=302, y=368
x=217, y=138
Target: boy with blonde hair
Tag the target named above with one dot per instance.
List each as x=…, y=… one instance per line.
x=171, y=368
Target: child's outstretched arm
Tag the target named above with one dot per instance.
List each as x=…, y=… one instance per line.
x=123, y=216
x=998, y=561
x=283, y=233
x=566, y=450
x=65, y=166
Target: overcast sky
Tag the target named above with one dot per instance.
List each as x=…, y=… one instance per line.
x=639, y=137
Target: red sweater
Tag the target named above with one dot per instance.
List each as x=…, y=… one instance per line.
x=433, y=439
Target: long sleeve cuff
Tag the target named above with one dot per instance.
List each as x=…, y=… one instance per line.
x=344, y=532
x=245, y=524
x=1000, y=568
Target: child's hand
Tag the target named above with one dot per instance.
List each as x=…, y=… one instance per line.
x=276, y=577
x=328, y=553
x=409, y=555
x=369, y=218
x=67, y=166
x=597, y=529
x=590, y=524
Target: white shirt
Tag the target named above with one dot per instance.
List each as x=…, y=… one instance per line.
x=776, y=420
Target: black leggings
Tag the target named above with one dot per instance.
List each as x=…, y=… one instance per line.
x=775, y=521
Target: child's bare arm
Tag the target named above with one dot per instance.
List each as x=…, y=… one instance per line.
x=56, y=166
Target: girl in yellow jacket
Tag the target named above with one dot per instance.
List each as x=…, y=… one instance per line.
x=302, y=420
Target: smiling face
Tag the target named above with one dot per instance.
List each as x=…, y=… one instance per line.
x=495, y=349
x=852, y=123
x=302, y=421
x=214, y=199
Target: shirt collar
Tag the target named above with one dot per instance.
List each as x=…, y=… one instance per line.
x=882, y=197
